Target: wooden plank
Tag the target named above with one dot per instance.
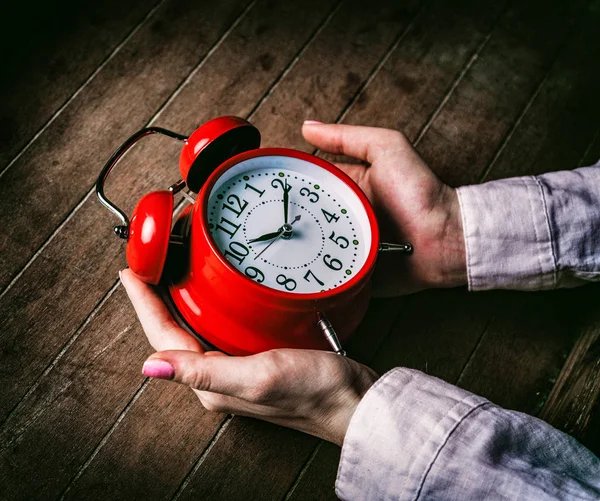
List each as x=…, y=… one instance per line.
x=49, y=298
x=562, y=119
x=572, y=405
x=501, y=82
x=71, y=409
x=48, y=56
x=592, y=152
x=55, y=174
x=349, y=48
x=84, y=256
x=533, y=333
x=438, y=330
x=143, y=464
x=245, y=467
x=250, y=475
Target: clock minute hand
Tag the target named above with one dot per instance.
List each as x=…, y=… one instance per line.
x=286, y=201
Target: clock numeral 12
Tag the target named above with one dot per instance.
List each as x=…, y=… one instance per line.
x=238, y=252
x=235, y=200
x=308, y=273
x=329, y=216
x=260, y=193
x=231, y=225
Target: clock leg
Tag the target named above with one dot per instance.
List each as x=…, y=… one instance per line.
x=329, y=332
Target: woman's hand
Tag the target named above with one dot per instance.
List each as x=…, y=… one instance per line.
x=312, y=391
x=411, y=203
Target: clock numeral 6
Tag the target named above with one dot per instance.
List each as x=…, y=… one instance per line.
x=237, y=251
x=312, y=196
x=276, y=182
x=255, y=274
x=341, y=241
x=308, y=273
x=329, y=216
x=333, y=263
x=288, y=283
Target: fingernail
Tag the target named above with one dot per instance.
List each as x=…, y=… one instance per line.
x=158, y=368
x=312, y=122
x=120, y=276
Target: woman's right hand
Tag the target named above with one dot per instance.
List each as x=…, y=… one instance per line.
x=411, y=203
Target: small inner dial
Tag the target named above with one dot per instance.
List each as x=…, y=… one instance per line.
x=289, y=224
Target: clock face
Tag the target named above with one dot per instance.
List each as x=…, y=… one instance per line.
x=323, y=242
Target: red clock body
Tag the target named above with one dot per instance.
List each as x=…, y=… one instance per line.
x=239, y=316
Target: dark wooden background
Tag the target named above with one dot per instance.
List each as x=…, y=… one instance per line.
x=484, y=89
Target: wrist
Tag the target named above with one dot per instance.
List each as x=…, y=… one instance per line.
x=454, y=257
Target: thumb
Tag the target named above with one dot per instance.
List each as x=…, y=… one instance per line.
x=219, y=373
x=360, y=142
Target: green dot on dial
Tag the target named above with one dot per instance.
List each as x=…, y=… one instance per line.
x=317, y=186
x=344, y=211
x=348, y=272
x=281, y=174
x=355, y=242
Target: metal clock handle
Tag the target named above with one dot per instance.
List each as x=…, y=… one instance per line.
x=121, y=230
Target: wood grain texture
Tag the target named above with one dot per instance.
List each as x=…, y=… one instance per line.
x=573, y=403
x=83, y=256
x=533, y=333
x=54, y=175
x=77, y=419
x=95, y=255
x=495, y=90
x=439, y=332
x=48, y=51
x=349, y=47
x=249, y=482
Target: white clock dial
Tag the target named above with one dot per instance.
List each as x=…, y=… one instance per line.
x=327, y=236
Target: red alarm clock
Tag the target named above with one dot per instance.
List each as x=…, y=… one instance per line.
x=276, y=250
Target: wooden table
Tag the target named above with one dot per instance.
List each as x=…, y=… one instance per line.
x=485, y=90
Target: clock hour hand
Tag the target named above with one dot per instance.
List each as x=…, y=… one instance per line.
x=266, y=236
x=285, y=229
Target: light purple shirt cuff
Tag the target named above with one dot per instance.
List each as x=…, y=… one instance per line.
x=414, y=436
x=533, y=232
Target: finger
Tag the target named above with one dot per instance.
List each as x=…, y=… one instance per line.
x=162, y=331
x=240, y=377
x=355, y=141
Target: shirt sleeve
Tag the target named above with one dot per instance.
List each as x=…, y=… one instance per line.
x=415, y=437
x=533, y=232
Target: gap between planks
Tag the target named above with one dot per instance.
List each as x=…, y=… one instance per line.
x=94, y=312
x=421, y=134
x=482, y=177
x=152, y=119
x=110, y=292
x=70, y=99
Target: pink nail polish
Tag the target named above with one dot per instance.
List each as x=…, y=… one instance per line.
x=312, y=122
x=158, y=369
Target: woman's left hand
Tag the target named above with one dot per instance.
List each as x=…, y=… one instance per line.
x=309, y=390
